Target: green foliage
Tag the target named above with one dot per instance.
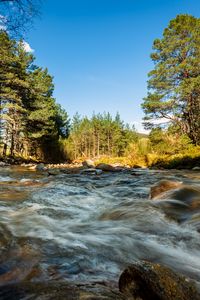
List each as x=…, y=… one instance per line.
x=100, y=135
x=167, y=142
x=183, y=160
x=170, y=149
x=163, y=148
x=31, y=121
x=174, y=84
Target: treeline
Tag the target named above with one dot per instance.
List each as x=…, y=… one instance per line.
x=33, y=125
x=31, y=122
x=98, y=136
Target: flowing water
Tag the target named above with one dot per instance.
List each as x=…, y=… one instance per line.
x=88, y=228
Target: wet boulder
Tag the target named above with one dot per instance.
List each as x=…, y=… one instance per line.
x=178, y=201
x=107, y=168
x=40, y=167
x=88, y=163
x=148, y=281
x=196, y=169
x=163, y=186
x=18, y=264
x=53, y=172
x=3, y=164
x=91, y=171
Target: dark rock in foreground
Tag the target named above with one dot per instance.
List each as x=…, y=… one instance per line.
x=148, y=281
x=58, y=291
x=141, y=281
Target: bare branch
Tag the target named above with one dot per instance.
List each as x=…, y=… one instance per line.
x=16, y=16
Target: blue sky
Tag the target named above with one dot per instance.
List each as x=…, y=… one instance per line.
x=98, y=51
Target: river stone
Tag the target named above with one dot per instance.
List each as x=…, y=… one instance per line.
x=196, y=169
x=163, y=186
x=40, y=167
x=88, y=163
x=99, y=171
x=106, y=167
x=53, y=172
x=180, y=204
x=148, y=281
x=3, y=164
x=91, y=171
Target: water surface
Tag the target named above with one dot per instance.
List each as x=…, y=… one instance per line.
x=88, y=228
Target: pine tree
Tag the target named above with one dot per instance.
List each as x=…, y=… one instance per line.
x=46, y=121
x=174, y=83
x=100, y=135
x=31, y=121
x=14, y=86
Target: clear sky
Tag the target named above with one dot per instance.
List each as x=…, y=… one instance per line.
x=98, y=50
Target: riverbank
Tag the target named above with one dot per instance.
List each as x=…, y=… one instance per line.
x=152, y=161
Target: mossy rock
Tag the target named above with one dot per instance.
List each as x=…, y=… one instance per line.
x=148, y=281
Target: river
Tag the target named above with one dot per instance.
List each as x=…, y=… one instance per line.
x=88, y=228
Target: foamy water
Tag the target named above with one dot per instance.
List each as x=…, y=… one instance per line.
x=89, y=228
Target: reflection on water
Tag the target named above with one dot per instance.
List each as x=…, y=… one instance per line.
x=89, y=228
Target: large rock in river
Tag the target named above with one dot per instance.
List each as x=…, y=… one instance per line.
x=53, y=172
x=91, y=171
x=107, y=168
x=148, y=281
x=179, y=202
x=38, y=167
x=163, y=186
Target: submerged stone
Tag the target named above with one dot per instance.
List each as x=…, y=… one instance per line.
x=91, y=171
x=53, y=172
x=163, y=186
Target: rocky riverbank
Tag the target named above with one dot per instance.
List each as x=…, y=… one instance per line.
x=87, y=164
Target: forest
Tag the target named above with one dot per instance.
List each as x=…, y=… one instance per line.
x=34, y=126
